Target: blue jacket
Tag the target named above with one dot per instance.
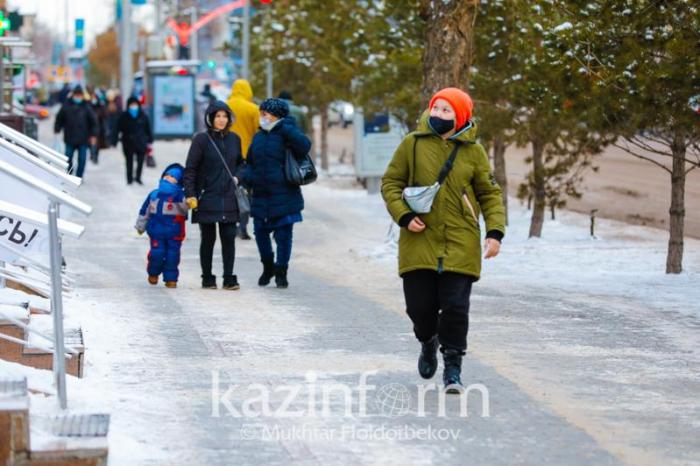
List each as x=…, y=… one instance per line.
x=164, y=212
x=272, y=196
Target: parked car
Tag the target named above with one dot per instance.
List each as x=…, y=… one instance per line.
x=340, y=113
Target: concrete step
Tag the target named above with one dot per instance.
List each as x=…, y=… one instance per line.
x=14, y=421
x=51, y=440
x=33, y=356
x=69, y=440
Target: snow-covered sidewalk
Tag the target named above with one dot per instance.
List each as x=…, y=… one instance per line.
x=586, y=351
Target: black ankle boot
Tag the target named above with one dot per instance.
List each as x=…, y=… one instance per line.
x=209, y=282
x=427, y=361
x=231, y=283
x=281, y=277
x=268, y=273
x=453, y=370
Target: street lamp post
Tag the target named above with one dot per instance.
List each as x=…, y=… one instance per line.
x=246, y=40
x=126, y=65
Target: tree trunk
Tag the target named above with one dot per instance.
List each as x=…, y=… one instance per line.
x=539, y=195
x=324, y=138
x=499, y=168
x=674, y=258
x=448, y=45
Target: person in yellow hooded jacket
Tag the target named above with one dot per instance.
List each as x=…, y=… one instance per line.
x=245, y=125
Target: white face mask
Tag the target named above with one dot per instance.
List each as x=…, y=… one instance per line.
x=266, y=124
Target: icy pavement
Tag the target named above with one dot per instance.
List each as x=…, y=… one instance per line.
x=565, y=366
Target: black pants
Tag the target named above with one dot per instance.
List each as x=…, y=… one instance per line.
x=227, y=233
x=438, y=304
x=140, y=156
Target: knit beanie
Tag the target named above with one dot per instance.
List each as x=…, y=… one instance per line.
x=176, y=172
x=460, y=102
x=276, y=107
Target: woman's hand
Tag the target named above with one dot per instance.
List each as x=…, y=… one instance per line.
x=492, y=247
x=416, y=225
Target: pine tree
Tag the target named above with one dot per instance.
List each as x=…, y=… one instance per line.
x=391, y=76
x=549, y=99
x=493, y=65
x=316, y=52
x=643, y=58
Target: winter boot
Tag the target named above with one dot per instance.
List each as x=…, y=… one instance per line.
x=209, y=282
x=281, y=277
x=427, y=361
x=231, y=283
x=453, y=369
x=268, y=273
x=171, y=284
x=153, y=279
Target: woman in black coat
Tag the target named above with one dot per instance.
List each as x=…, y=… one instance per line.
x=211, y=191
x=135, y=130
x=276, y=205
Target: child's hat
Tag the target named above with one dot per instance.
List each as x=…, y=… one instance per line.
x=176, y=171
x=460, y=102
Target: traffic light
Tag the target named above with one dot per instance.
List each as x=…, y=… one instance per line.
x=4, y=23
x=16, y=20
x=211, y=64
x=79, y=33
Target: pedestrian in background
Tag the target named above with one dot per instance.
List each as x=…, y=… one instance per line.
x=134, y=128
x=113, y=112
x=296, y=112
x=214, y=166
x=440, y=251
x=247, y=117
x=276, y=205
x=98, y=106
x=79, y=125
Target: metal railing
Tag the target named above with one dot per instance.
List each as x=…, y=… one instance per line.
x=43, y=152
x=55, y=198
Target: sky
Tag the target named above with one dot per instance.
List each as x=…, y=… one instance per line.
x=98, y=14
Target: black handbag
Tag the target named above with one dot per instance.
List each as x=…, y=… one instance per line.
x=299, y=172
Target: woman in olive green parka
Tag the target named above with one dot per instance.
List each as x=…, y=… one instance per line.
x=440, y=252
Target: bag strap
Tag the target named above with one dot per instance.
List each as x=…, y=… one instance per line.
x=221, y=156
x=446, y=168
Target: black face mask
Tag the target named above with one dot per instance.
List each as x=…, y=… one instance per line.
x=441, y=126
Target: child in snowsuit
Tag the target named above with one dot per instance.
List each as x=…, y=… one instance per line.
x=163, y=216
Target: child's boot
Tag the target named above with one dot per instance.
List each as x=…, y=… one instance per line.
x=153, y=279
x=171, y=284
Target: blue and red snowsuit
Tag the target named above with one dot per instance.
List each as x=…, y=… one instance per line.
x=163, y=217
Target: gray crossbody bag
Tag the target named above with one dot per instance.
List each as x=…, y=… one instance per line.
x=420, y=198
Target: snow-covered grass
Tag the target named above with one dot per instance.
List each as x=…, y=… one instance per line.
x=623, y=261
